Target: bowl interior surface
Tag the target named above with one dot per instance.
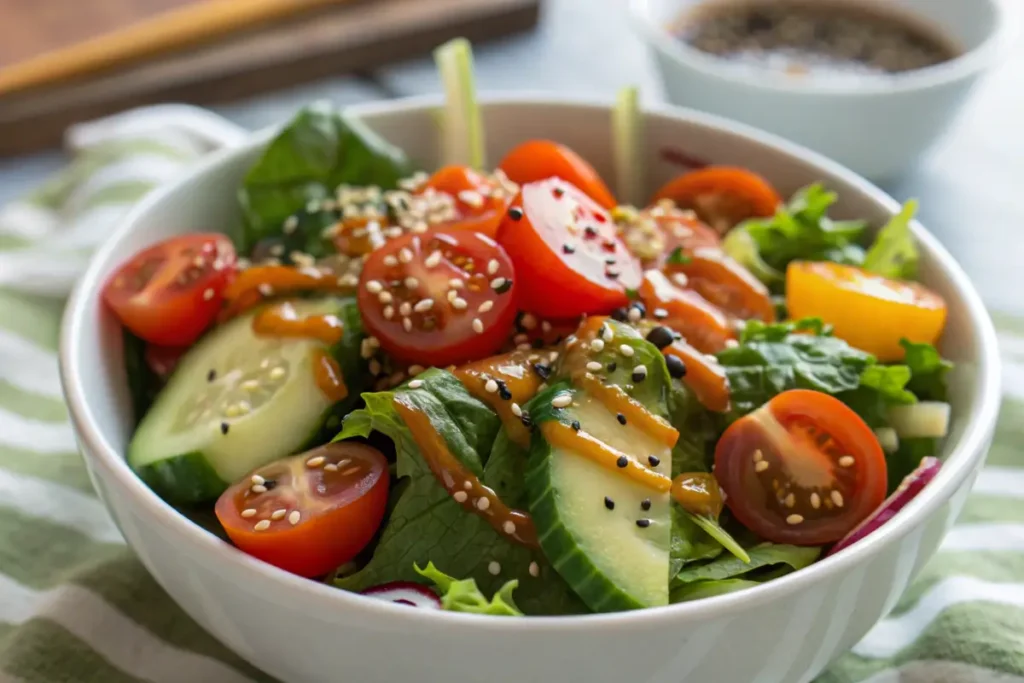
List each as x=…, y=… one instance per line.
x=91, y=353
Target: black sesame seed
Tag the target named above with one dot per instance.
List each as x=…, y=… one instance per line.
x=224, y=427
x=622, y=461
x=639, y=376
x=676, y=367
x=660, y=336
x=638, y=306
x=525, y=419
x=619, y=314
x=515, y=213
x=611, y=274
x=645, y=504
x=643, y=523
x=621, y=418
x=612, y=366
x=609, y=245
x=211, y=375
x=610, y=260
x=568, y=249
x=654, y=460
x=543, y=371
x=575, y=425
x=537, y=343
x=590, y=232
x=559, y=192
x=506, y=284
x=609, y=503
x=270, y=483
x=503, y=391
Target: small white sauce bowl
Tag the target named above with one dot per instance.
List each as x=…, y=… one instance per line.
x=876, y=126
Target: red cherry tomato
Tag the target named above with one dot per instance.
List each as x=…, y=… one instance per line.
x=479, y=202
x=725, y=283
x=701, y=323
x=169, y=293
x=722, y=196
x=439, y=298
x=802, y=469
x=542, y=159
x=567, y=254
x=309, y=513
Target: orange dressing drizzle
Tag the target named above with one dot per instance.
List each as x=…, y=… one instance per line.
x=328, y=376
x=513, y=371
x=460, y=483
x=282, y=320
x=618, y=401
x=698, y=492
x=254, y=284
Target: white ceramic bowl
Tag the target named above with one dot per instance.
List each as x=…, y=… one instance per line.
x=303, y=631
x=876, y=128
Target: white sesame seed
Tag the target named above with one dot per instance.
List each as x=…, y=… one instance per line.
x=626, y=350
x=407, y=324
x=594, y=366
x=459, y=304
x=258, y=480
x=249, y=512
x=815, y=501
x=534, y=569
x=474, y=199
x=385, y=297
x=433, y=260
x=207, y=294
x=790, y=500
x=483, y=503
x=411, y=282
x=761, y=466
x=265, y=289
x=794, y=519
x=529, y=321
x=846, y=461
x=315, y=461
x=634, y=314
x=415, y=370
x=597, y=345
x=491, y=386
x=516, y=410
x=561, y=401
x=258, y=488
x=509, y=527
x=330, y=467
x=389, y=312
x=423, y=305
x=731, y=343
x=660, y=313
x=405, y=308
x=416, y=384
x=456, y=283
x=498, y=283
x=492, y=266
x=405, y=255
x=640, y=370
x=294, y=517
x=680, y=279
x=278, y=514
x=460, y=496
x=277, y=373
x=244, y=407
x=523, y=347
x=606, y=333
x=374, y=287
x=262, y=525
x=711, y=358
x=348, y=280
x=452, y=295
x=837, y=498
x=467, y=485
x=758, y=455
x=485, y=306
x=494, y=568
x=478, y=326
x=520, y=338
x=390, y=261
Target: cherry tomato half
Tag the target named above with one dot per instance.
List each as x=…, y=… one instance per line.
x=869, y=311
x=655, y=233
x=802, y=469
x=722, y=196
x=169, y=293
x=537, y=160
x=725, y=283
x=439, y=298
x=479, y=202
x=702, y=324
x=567, y=254
x=309, y=513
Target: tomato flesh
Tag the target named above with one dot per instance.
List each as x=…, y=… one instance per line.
x=309, y=513
x=479, y=203
x=169, y=293
x=569, y=259
x=725, y=283
x=802, y=469
x=722, y=196
x=869, y=311
x=439, y=298
x=537, y=160
x=701, y=323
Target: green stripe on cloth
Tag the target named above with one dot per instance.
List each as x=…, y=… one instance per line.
x=41, y=554
x=32, y=406
x=63, y=468
x=119, y=193
x=35, y=318
x=28, y=652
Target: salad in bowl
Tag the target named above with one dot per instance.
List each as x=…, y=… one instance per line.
x=507, y=391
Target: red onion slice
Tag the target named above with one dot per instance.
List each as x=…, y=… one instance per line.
x=405, y=593
x=908, y=489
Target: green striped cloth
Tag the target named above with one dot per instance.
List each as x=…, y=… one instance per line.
x=75, y=605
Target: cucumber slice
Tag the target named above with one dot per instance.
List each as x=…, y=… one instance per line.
x=595, y=544
x=235, y=402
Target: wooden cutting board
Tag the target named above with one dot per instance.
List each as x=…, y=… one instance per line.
x=64, y=61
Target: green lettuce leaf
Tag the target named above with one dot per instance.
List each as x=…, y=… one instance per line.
x=894, y=253
x=143, y=383
x=761, y=556
x=907, y=457
x=687, y=592
x=426, y=524
x=690, y=543
x=928, y=371
x=465, y=596
x=316, y=152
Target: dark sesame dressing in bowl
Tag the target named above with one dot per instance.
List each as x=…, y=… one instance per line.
x=826, y=40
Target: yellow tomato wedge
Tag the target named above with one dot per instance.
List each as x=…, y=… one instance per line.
x=868, y=311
